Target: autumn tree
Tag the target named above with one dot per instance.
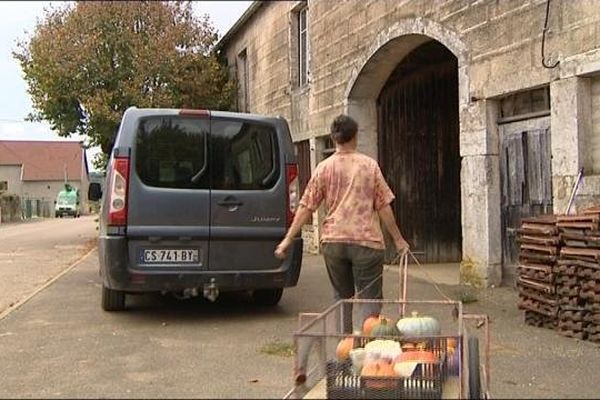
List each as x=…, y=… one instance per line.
x=86, y=63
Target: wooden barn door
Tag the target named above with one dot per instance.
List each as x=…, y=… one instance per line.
x=526, y=179
x=418, y=133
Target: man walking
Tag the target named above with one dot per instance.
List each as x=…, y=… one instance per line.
x=357, y=198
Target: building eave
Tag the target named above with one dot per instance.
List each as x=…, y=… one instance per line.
x=238, y=24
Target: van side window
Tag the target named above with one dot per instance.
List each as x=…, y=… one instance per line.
x=171, y=152
x=244, y=155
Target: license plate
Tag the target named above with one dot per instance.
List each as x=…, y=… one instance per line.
x=170, y=256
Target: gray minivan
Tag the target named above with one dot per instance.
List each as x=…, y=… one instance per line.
x=196, y=202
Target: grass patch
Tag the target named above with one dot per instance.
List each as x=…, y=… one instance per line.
x=468, y=298
x=467, y=294
x=279, y=349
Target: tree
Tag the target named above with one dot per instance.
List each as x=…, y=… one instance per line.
x=87, y=62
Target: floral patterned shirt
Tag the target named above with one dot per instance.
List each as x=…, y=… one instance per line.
x=353, y=188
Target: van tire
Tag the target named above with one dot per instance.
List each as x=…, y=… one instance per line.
x=112, y=300
x=267, y=297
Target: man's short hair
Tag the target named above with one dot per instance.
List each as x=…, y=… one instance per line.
x=343, y=129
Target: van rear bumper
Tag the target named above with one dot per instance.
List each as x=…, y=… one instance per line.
x=118, y=274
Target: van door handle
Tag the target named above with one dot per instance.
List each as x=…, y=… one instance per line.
x=229, y=203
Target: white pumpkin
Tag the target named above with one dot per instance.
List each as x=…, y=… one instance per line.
x=381, y=348
x=417, y=326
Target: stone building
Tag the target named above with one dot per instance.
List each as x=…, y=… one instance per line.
x=480, y=112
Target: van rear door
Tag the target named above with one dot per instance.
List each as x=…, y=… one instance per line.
x=169, y=195
x=248, y=194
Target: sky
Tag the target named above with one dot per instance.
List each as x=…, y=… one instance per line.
x=17, y=21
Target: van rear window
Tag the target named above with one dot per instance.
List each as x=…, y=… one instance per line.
x=171, y=152
x=244, y=155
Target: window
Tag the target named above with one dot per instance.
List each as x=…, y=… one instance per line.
x=302, y=47
x=328, y=146
x=528, y=104
x=243, y=81
x=245, y=155
x=171, y=152
x=3, y=186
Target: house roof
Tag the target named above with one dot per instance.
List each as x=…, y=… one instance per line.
x=45, y=160
x=239, y=24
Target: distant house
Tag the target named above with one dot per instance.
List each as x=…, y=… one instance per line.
x=36, y=171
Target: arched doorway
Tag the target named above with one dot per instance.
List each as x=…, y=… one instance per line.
x=418, y=150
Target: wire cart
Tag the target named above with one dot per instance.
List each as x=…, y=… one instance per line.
x=457, y=373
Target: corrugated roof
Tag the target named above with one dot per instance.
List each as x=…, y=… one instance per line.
x=45, y=160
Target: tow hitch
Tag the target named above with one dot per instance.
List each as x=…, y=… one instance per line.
x=211, y=291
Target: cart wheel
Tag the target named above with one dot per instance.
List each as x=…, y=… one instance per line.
x=473, y=365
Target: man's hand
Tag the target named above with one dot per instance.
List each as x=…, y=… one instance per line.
x=402, y=246
x=282, y=247
x=389, y=221
x=301, y=217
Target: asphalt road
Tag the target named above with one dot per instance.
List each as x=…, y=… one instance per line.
x=33, y=252
x=60, y=344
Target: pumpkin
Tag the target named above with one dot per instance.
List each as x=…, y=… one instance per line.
x=378, y=369
x=417, y=326
x=405, y=369
x=451, y=344
x=384, y=328
x=411, y=346
x=405, y=363
x=342, y=351
x=373, y=321
x=408, y=346
x=380, y=348
x=417, y=356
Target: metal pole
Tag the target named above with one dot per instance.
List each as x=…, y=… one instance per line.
x=574, y=191
x=404, y=262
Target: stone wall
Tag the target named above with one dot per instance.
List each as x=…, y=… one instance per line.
x=354, y=45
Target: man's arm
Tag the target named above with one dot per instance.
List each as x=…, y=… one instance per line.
x=389, y=221
x=302, y=216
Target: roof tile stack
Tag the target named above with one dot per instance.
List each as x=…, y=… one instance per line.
x=578, y=285
x=538, y=255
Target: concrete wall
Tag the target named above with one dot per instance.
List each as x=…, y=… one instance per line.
x=354, y=45
x=12, y=175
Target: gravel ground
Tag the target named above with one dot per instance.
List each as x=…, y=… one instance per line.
x=529, y=362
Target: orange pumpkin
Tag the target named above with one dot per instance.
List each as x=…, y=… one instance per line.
x=378, y=369
x=417, y=356
x=373, y=321
x=342, y=351
x=451, y=344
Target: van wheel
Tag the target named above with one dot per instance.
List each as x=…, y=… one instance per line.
x=267, y=297
x=112, y=300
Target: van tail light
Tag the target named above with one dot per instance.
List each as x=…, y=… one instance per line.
x=293, y=186
x=117, y=212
